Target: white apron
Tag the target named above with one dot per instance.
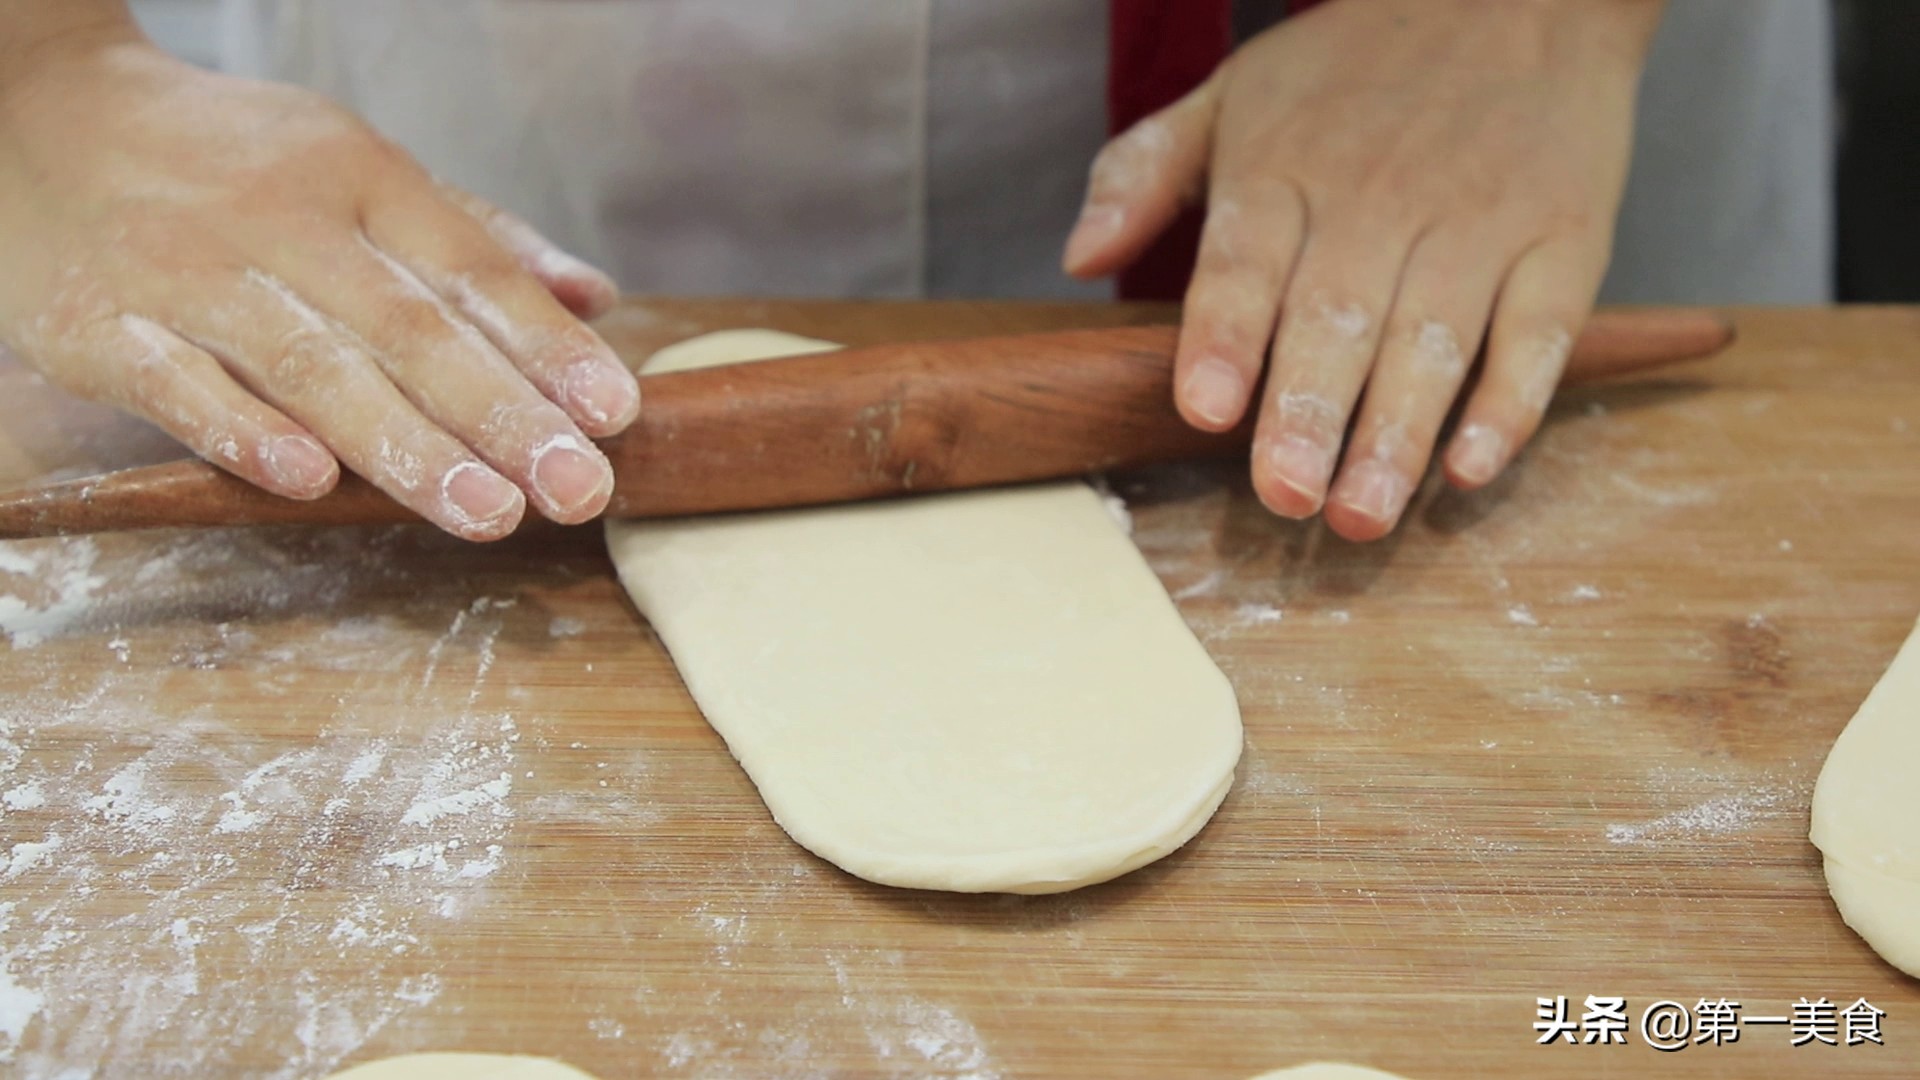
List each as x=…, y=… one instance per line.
x=768, y=147
x=939, y=147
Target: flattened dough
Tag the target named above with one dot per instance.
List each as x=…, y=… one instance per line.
x=462, y=1067
x=977, y=692
x=1866, y=814
x=1327, y=1071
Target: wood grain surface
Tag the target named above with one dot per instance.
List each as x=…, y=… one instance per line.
x=276, y=801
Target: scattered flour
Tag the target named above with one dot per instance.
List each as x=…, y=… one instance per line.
x=123, y=800
x=47, y=587
x=916, y=1037
x=24, y=797
x=146, y=850
x=1252, y=614
x=1716, y=816
x=1206, y=586
x=1116, y=506
x=27, y=855
x=429, y=808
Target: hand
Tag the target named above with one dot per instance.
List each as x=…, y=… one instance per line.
x=1390, y=182
x=260, y=274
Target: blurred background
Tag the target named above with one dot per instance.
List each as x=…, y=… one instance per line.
x=1839, y=76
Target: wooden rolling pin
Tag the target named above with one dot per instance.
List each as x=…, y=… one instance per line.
x=837, y=427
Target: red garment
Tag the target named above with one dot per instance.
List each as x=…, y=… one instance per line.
x=1161, y=50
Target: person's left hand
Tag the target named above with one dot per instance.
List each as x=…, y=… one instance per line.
x=1388, y=184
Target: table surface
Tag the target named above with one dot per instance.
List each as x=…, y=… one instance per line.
x=272, y=802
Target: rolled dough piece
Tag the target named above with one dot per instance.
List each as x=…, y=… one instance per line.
x=1866, y=814
x=1322, y=1070
x=978, y=692
x=462, y=1067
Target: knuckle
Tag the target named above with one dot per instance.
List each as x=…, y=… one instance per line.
x=1573, y=219
x=1433, y=352
x=487, y=277
x=571, y=344
x=1327, y=315
x=1401, y=441
x=1305, y=411
x=518, y=425
x=1224, y=339
x=1129, y=161
x=1535, y=391
x=1235, y=311
x=408, y=317
x=478, y=208
x=1219, y=259
x=408, y=459
x=309, y=358
x=152, y=383
x=567, y=349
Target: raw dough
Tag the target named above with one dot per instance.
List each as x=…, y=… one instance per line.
x=1866, y=814
x=462, y=1067
x=1325, y=1071
x=978, y=692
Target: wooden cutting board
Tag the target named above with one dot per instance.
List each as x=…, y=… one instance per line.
x=280, y=801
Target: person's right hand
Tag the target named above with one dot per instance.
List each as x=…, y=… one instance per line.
x=256, y=271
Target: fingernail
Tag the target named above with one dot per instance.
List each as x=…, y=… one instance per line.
x=569, y=475
x=1478, y=453
x=602, y=391
x=1301, y=465
x=1099, y=223
x=1374, y=490
x=298, y=462
x=1215, y=391
x=478, y=496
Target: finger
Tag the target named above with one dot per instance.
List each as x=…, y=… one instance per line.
x=584, y=289
x=191, y=397
x=456, y=258
x=1139, y=183
x=456, y=377
x=1544, y=302
x=1431, y=337
x=1329, y=333
x=1247, y=252
x=287, y=353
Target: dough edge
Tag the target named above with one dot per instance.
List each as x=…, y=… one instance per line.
x=1883, y=908
x=1328, y=1070
x=462, y=1066
x=1038, y=872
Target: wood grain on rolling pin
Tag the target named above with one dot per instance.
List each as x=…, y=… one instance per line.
x=855, y=424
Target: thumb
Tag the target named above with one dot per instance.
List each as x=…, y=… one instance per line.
x=1140, y=182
